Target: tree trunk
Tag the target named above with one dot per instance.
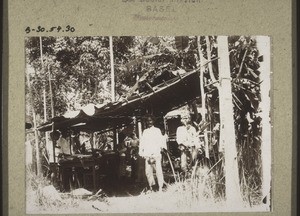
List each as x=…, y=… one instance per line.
x=112, y=68
x=263, y=45
x=211, y=73
x=203, y=97
x=44, y=94
x=51, y=92
x=36, y=138
x=112, y=75
x=233, y=192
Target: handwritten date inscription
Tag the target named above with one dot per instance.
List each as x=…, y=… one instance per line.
x=57, y=29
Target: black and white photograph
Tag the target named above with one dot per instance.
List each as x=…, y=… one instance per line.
x=148, y=124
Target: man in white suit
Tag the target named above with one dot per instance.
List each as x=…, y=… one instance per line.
x=151, y=144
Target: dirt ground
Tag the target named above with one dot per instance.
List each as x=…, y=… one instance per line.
x=128, y=196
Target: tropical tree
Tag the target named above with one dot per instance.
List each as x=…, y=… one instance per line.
x=150, y=56
x=245, y=57
x=77, y=72
x=227, y=130
x=71, y=72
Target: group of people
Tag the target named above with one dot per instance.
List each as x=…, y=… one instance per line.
x=68, y=143
x=153, y=143
x=145, y=153
x=128, y=151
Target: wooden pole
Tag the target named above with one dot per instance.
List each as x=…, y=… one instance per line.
x=44, y=92
x=203, y=95
x=112, y=70
x=92, y=141
x=138, y=119
x=36, y=138
x=50, y=90
x=112, y=76
x=53, y=144
x=70, y=143
x=171, y=164
x=139, y=127
x=45, y=106
x=212, y=76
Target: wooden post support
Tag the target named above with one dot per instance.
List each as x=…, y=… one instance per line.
x=53, y=144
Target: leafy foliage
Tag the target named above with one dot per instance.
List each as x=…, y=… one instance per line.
x=79, y=71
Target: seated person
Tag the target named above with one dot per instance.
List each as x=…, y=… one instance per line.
x=63, y=144
x=75, y=143
x=85, y=143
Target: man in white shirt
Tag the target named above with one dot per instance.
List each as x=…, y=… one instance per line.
x=151, y=144
x=186, y=137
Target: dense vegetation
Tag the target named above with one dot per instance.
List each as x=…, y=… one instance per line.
x=78, y=69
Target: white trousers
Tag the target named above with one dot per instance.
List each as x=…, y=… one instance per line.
x=150, y=168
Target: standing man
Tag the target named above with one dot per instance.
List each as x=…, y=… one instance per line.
x=133, y=148
x=186, y=138
x=151, y=144
x=122, y=148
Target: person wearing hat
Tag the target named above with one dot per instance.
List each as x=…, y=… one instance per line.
x=186, y=138
x=152, y=143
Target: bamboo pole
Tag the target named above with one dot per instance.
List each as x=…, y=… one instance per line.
x=44, y=91
x=212, y=76
x=139, y=123
x=112, y=76
x=45, y=106
x=36, y=138
x=203, y=104
x=51, y=93
x=53, y=144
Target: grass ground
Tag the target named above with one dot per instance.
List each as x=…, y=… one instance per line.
x=194, y=194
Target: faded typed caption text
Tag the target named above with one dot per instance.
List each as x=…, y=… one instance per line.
x=42, y=29
x=160, y=5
